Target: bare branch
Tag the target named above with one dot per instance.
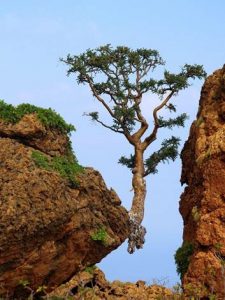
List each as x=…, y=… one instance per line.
x=99, y=98
x=112, y=96
x=149, y=139
x=165, y=101
x=109, y=127
x=125, y=131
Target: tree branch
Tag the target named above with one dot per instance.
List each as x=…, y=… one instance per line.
x=144, y=124
x=109, y=127
x=149, y=139
x=125, y=131
x=99, y=98
x=146, y=71
x=112, y=96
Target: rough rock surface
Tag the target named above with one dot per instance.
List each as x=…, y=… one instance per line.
x=47, y=227
x=91, y=284
x=202, y=204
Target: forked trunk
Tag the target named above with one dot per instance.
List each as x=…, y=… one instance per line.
x=136, y=214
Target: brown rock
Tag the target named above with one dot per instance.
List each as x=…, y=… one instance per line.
x=48, y=229
x=34, y=134
x=202, y=204
x=92, y=284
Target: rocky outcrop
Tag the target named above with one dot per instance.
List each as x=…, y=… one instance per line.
x=92, y=284
x=50, y=229
x=202, y=204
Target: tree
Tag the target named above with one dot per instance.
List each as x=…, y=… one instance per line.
x=118, y=78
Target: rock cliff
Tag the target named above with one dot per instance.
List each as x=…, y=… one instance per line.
x=201, y=259
x=56, y=217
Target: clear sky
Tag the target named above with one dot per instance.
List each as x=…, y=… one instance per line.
x=35, y=33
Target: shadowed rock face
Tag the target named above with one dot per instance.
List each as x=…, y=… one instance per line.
x=202, y=204
x=49, y=230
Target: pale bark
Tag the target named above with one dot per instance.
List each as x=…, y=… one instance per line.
x=136, y=214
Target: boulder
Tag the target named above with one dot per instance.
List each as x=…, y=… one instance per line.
x=56, y=217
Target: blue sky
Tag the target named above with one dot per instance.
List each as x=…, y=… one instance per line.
x=34, y=34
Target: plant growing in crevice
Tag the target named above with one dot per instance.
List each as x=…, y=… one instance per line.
x=182, y=257
x=100, y=235
x=90, y=269
x=119, y=78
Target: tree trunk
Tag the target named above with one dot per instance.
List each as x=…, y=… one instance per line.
x=136, y=214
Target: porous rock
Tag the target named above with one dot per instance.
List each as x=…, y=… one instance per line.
x=202, y=203
x=47, y=226
x=92, y=284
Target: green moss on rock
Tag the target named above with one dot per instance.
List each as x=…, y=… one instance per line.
x=48, y=117
x=67, y=167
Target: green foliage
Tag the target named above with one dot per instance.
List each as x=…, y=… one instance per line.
x=177, y=82
x=100, y=236
x=105, y=58
x=124, y=116
x=41, y=160
x=124, y=73
x=168, y=151
x=182, y=258
x=48, y=117
x=66, y=167
x=94, y=115
x=128, y=162
x=170, y=123
x=90, y=269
